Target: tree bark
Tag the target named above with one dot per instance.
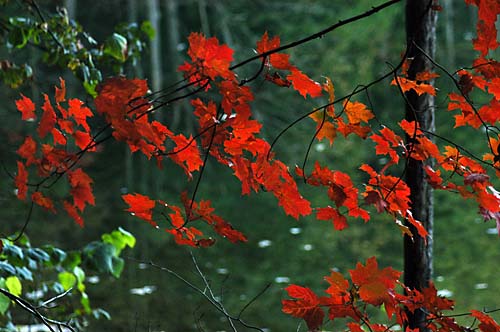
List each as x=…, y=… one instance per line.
x=421, y=37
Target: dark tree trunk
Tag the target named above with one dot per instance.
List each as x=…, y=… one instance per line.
x=421, y=37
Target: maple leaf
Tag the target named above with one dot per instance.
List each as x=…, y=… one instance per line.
x=209, y=60
x=303, y=84
x=27, y=151
x=305, y=305
x=81, y=189
x=407, y=85
x=73, y=213
x=487, y=324
x=43, y=201
x=141, y=206
x=48, y=120
x=277, y=60
x=26, y=107
x=79, y=112
x=60, y=93
x=186, y=154
x=357, y=112
x=376, y=286
x=21, y=181
x=330, y=214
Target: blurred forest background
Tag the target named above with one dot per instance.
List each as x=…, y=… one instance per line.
x=280, y=250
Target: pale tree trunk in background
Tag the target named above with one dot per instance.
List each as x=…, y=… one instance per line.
x=70, y=6
x=202, y=10
x=449, y=14
x=222, y=14
x=155, y=51
x=420, y=31
x=155, y=84
x=172, y=59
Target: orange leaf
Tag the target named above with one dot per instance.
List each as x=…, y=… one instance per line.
x=419, y=88
x=73, y=213
x=43, y=201
x=277, y=60
x=357, y=112
x=303, y=84
x=81, y=189
x=48, y=120
x=26, y=107
x=330, y=214
x=376, y=286
x=27, y=151
x=61, y=92
x=140, y=206
x=21, y=181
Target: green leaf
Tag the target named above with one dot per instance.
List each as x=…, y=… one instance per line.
x=66, y=279
x=117, y=266
x=148, y=29
x=4, y=300
x=72, y=259
x=119, y=239
x=116, y=47
x=84, y=300
x=13, y=285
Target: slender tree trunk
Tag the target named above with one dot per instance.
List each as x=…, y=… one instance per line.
x=156, y=177
x=421, y=35
x=449, y=14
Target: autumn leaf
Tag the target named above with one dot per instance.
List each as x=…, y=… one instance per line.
x=21, y=181
x=357, y=112
x=27, y=151
x=330, y=214
x=487, y=323
x=305, y=305
x=407, y=85
x=60, y=93
x=26, y=107
x=186, y=154
x=48, y=120
x=81, y=189
x=140, y=206
x=277, y=60
x=73, y=213
x=43, y=201
x=376, y=286
x=303, y=84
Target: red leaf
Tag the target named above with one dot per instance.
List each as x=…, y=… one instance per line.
x=305, y=305
x=487, y=324
x=303, y=84
x=43, y=201
x=60, y=93
x=26, y=107
x=73, y=213
x=27, y=151
x=209, y=59
x=140, y=206
x=419, y=88
x=277, y=60
x=330, y=214
x=79, y=113
x=81, y=189
x=48, y=120
x=376, y=286
x=21, y=181
x=186, y=154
